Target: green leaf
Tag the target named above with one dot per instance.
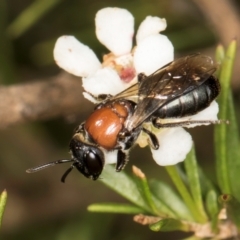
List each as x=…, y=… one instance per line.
x=206, y=183
x=114, y=208
x=3, y=201
x=182, y=189
x=194, y=238
x=232, y=206
x=125, y=186
x=166, y=194
x=220, y=54
x=191, y=167
x=169, y=224
x=226, y=136
x=157, y=206
x=145, y=190
x=7, y=66
x=213, y=208
x=233, y=150
x=30, y=16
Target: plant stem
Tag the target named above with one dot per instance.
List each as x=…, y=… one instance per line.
x=3, y=200
x=172, y=171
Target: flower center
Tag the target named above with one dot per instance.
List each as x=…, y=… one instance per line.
x=123, y=65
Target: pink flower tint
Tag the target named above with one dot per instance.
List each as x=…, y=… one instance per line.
x=115, y=30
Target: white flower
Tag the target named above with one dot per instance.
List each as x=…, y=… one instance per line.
x=115, y=30
x=177, y=137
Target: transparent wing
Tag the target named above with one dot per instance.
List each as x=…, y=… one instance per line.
x=130, y=93
x=166, y=84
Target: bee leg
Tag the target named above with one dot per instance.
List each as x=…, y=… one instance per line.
x=152, y=140
x=157, y=124
x=141, y=77
x=121, y=160
x=100, y=97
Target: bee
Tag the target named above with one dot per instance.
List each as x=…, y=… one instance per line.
x=181, y=88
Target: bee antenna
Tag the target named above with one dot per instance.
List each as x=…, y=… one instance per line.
x=47, y=165
x=63, y=178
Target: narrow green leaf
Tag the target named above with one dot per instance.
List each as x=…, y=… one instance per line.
x=191, y=167
x=166, y=194
x=182, y=189
x=220, y=55
x=30, y=16
x=213, y=208
x=212, y=203
x=3, y=201
x=206, y=183
x=157, y=207
x=144, y=189
x=163, y=209
x=169, y=224
x=125, y=186
x=114, y=208
x=194, y=238
x=226, y=136
x=232, y=206
x=7, y=66
x=233, y=150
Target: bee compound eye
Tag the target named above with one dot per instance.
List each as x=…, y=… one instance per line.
x=94, y=162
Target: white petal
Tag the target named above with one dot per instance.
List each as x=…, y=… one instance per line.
x=90, y=98
x=75, y=57
x=115, y=29
x=110, y=157
x=209, y=114
x=175, y=143
x=151, y=25
x=104, y=81
x=152, y=53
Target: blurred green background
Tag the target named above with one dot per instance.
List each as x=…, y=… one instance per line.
x=39, y=206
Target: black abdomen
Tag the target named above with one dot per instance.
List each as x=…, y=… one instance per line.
x=192, y=102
